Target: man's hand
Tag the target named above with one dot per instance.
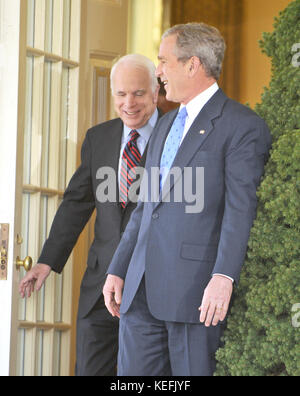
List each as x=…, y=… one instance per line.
x=34, y=280
x=112, y=292
x=216, y=300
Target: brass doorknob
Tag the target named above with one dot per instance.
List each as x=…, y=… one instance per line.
x=27, y=263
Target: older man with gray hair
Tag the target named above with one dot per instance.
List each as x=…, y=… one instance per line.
x=171, y=278
x=119, y=145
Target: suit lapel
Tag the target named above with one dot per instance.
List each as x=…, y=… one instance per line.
x=201, y=128
x=143, y=159
x=109, y=150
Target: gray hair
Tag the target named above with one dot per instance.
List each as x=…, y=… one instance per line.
x=138, y=61
x=202, y=41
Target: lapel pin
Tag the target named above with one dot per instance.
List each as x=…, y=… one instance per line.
x=202, y=132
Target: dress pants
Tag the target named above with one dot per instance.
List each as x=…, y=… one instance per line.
x=97, y=343
x=151, y=347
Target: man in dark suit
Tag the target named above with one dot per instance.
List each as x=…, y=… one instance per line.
x=176, y=259
x=135, y=91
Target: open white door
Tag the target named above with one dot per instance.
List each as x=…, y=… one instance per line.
x=9, y=65
x=39, y=73
x=39, y=142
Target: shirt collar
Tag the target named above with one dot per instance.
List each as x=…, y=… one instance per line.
x=196, y=105
x=145, y=131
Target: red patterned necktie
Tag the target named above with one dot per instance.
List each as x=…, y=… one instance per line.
x=130, y=160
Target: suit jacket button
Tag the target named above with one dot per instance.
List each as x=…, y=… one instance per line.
x=155, y=216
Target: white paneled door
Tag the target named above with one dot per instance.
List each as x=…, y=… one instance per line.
x=39, y=73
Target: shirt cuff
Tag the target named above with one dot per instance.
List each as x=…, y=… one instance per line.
x=225, y=276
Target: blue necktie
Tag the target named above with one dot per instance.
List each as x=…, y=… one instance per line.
x=172, y=145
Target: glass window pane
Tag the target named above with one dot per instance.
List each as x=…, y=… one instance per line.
x=41, y=305
x=28, y=119
x=67, y=27
x=64, y=128
x=58, y=298
x=30, y=22
x=43, y=236
x=39, y=353
x=46, y=123
x=43, y=221
x=21, y=352
x=49, y=25
x=57, y=353
x=24, y=248
x=25, y=224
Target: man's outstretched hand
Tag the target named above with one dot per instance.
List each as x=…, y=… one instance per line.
x=34, y=280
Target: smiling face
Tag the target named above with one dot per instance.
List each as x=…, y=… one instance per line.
x=183, y=79
x=133, y=96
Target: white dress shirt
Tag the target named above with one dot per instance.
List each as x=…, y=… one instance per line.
x=142, y=141
x=194, y=107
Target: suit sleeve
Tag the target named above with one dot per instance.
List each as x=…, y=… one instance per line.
x=73, y=214
x=244, y=167
x=121, y=259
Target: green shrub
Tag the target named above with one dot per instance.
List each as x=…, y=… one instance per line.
x=260, y=339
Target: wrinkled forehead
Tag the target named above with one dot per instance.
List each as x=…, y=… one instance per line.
x=168, y=47
x=131, y=78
